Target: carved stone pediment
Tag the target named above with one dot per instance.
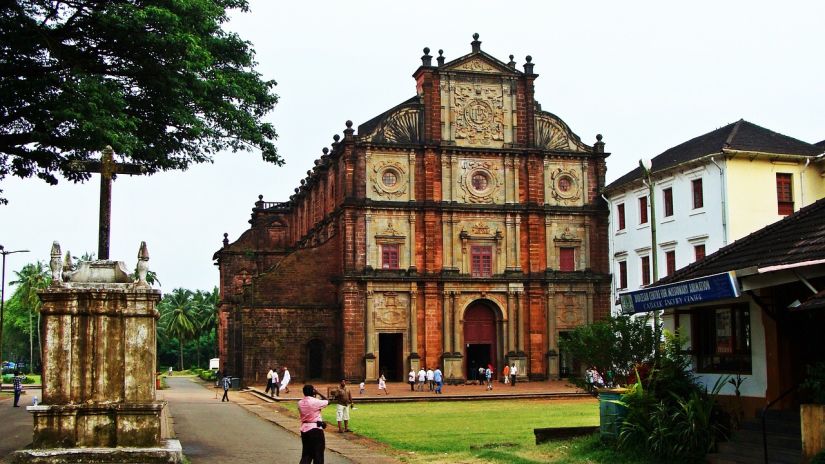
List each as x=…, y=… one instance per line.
x=401, y=126
x=567, y=236
x=481, y=63
x=391, y=310
x=553, y=134
x=570, y=310
x=478, y=113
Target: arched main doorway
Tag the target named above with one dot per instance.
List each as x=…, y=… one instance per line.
x=479, y=338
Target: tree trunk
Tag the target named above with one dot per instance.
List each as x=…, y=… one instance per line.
x=180, y=344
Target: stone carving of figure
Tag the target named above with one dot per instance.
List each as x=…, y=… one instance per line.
x=142, y=264
x=56, y=264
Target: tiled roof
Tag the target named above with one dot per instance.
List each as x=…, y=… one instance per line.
x=798, y=238
x=740, y=135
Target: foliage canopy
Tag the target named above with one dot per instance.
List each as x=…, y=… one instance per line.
x=158, y=80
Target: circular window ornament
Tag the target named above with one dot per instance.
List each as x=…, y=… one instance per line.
x=389, y=178
x=480, y=181
x=565, y=185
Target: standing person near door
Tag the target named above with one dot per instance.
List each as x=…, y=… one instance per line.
x=513, y=374
x=344, y=399
x=411, y=379
x=506, y=373
x=422, y=378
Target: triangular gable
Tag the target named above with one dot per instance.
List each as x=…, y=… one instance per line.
x=480, y=62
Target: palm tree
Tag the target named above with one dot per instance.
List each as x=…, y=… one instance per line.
x=206, y=304
x=177, y=316
x=30, y=279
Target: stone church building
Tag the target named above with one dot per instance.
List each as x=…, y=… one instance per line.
x=461, y=227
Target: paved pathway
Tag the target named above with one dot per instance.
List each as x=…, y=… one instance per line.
x=15, y=423
x=215, y=432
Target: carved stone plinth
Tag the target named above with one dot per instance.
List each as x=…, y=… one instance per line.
x=453, y=368
x=98, y=351
x=370, y=368
x=520, y=360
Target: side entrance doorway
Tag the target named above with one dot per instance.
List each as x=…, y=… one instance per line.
x=391, y=356
x=479, y=339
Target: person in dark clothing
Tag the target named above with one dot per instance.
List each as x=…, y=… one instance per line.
x=227, y=383
x=18, y=387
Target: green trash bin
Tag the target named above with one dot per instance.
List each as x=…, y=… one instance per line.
x=610, y=413
x=236, y=383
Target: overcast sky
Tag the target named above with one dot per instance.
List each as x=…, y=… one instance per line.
x=646, y=75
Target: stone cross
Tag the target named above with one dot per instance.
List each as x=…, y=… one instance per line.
x=108, y=169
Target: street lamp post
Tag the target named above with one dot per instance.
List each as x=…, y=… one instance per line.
x=646, y=166
x=3, y=302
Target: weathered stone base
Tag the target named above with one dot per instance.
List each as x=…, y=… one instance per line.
x=97, y=425
x=169, y=452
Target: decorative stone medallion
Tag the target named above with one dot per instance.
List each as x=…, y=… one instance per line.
x=480, y=181
x=565, y=185
x=389, y=179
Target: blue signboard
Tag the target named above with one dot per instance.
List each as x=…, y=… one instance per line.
x=688, y=292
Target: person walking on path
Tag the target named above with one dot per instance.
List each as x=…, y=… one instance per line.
x=285, y=380
x=313, y=441
x=438, y=378
x=513, y=374
x=17, y=380
x=276, y=383
x=488, y=374
x=344, y=399
x=226, y=382
x=422, y=378
x=269, y=382
x=382, y=384
x=411, y=379
x=430, y=376
x=506, y=373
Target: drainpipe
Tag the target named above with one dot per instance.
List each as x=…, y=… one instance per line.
x=802, y=183
x=611, y=246
x=724, y=203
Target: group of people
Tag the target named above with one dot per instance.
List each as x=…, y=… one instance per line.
x=276, y=383
x=432, y=378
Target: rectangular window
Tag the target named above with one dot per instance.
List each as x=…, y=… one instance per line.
x=784, y=194
x=670, y=257
x=389, y=256
x=668, y=197
x=620, y=216
x=698, y=195
x=699, y=252
x=723, y=341
x=481, y=258
x=645, y=270
x=566, y=259
x=643, y=210
x=622, y=274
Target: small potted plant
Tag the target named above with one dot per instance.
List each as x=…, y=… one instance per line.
x=813, y=412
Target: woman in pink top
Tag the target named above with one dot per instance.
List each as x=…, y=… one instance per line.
x=312, y=426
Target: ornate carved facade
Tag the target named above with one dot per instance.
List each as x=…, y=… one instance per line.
x=461, y=227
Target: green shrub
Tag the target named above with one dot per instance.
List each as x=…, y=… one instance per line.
x=207, y=375
x=669, y=415
x=819, y=458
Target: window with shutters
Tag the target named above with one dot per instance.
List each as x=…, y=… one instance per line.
x=567, y=259
x=622, y=275
x=699, y=252
x=645, y=270
x=643, y=210
x=670, y=257
x=389, y=256
x=668, y=199
x=698, y=194
x=784, y=194
x=620, y=216
x=481, y=261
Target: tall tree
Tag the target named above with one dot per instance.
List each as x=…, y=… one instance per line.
x=177, y=315
x=158, y=80
x=29, y=280
x=206, y=304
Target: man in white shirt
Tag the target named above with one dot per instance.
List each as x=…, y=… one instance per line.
x=285, y=380
x=430, y=375
x=513, y=374
x=276, y=384
x=422, y=377
x=269, y=381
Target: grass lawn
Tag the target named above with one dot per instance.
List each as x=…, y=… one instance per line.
x=490, y=431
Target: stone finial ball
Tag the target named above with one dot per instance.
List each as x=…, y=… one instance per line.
x=348, y=124
x=426, y=50
x=529, y=58
x=475, y=36
x=511, y=57
x=325, y=150
x=225, y=235
x=261, y=197
x=336, y=137
x=599, y=137
x=440, y=52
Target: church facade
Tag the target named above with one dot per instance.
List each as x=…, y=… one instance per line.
x=462, y=227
